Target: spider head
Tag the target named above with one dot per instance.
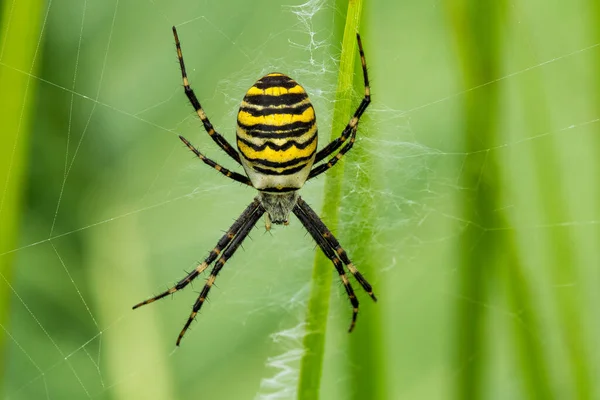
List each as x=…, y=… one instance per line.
x=278, y=206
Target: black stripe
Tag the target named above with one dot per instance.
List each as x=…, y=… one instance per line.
x=265, y=100
x=280, y=190
x=284, y=172
x=276, y=164
x=293, y=133
x=305, y=126
x=271, y=81
x=289, y=143
x=295, y=110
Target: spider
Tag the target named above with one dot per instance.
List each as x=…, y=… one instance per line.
x=277, y=143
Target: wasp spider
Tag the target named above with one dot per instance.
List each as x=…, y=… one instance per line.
x=277, y=143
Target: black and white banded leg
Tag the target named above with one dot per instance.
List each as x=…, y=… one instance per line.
x=226, y=246
x=219, y=140
x=319, y=234
x=350, y=129
x=335, y=245
x=246, y=227
x=230, y=174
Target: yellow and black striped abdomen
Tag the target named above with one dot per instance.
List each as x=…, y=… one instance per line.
x=277, y=134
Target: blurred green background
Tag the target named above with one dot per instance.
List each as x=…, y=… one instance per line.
x=471, y=198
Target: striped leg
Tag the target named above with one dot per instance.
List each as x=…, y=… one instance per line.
x=222, y=244
x=335, y=245
x=350, y=129
x=220, y=140
x=316, y=171
x=337, y=263
x=246, y=227
x=230, y=174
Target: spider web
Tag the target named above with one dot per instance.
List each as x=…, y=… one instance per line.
x=117, y=209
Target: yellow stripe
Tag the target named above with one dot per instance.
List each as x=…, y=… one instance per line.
x=277, y=156
x=274, y=91
x=276, y=119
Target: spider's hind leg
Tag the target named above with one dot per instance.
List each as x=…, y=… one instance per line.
x=250, y=219
x=317, y=232
x=223, y=243
x=335, y=245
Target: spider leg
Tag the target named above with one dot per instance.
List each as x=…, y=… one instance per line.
x=219, y=140
x=314, y=231
x=245, y=228
x=230, y=174
x=350, y=129
x=222, y=244
x=318, y=170
x=335, y=245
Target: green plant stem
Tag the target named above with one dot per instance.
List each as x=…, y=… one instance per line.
x=485, y=253
x=476, y=25
x=318, y=306
x=560, y=245
x=532, y=362
x=548, y=185
x=20, y=23
x=367, y=345
x=595, y=22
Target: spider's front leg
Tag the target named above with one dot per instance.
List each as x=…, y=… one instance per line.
x=230, y=174
x=350, y=129
x=218, y=139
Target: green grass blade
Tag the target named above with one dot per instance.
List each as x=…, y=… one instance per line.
x=488, y=253
x=477, y=34
x=21, y=24
x=594, y=173
x=532, y=361
x=318, y=306
x=367, y=343
x=561, y=266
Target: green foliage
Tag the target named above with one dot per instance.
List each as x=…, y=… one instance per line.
x=318, y=306
x=17, y=100
x=470, y=202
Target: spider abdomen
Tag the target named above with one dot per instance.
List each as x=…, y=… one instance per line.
x=277, y=134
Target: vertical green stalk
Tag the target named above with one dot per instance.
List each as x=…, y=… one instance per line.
x=367, y=346
x=532, y=362
x=560, y=244
x=318, y=306
x=595, y=23
x=20, y=23
x=487, y=254
x=476, y=24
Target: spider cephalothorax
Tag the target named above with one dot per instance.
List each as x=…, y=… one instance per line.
x=277, y=139
x=278, y=206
